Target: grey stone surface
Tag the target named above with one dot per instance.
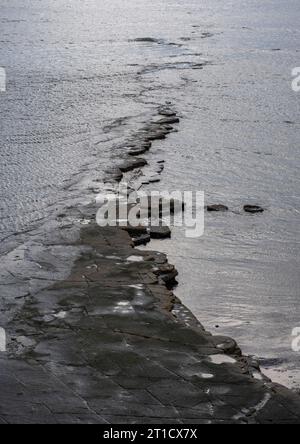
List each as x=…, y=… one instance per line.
x=103, y=344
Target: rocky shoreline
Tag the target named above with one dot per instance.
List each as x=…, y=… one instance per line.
x=111, y=343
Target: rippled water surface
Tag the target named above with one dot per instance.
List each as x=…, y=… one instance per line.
x=81, y=76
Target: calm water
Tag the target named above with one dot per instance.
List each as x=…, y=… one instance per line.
x=79, y=83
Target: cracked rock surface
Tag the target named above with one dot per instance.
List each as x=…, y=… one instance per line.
x=109, y=343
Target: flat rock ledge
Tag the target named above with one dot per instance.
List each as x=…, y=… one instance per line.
x=111, y=344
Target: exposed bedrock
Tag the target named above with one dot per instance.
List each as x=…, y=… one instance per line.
x=104, y=346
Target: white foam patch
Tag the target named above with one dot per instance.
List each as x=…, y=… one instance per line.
x=258, y=375
x=206, y=376
x=2, y=340
x=135, y=259
x=85, y=221
x=222, y=359
x=61, y=315
x=137, y=287
x=123, y=307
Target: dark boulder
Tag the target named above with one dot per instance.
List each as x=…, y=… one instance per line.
x=227, y=345
x=146, y=40
x=157, y=135
x=160, y=232
x=154, y=179
x=253, y=209
x=138, y=151
x=114, y=174
x=138, y=231
x=217, y=208
x=168, y=121
x=133, y=164
x=167, y=274
x=141, y=240
x=167, y=112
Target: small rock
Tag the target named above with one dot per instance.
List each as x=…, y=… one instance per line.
x=133, y=164
x=146, y=40
x=138, y=151
x=154, y=179
x=217, y=208
x=167, y=112
x=170, y=278
x=160, y=169
x=141, y=240
x=160, y=232
x=168, y=128
x=115, y=174
x=160, y=134
x=168, y=121
x=253, y=209
x=164, y=269
x=167, y=274
x=226, y=344
x=135, y=231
